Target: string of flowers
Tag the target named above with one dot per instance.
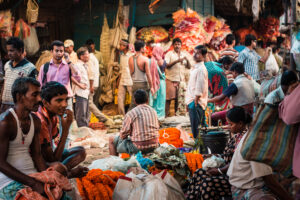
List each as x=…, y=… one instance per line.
x=98, y=184
x=194, y=161
x=170, y=136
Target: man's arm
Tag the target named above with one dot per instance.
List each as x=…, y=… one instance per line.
x=35, y=147
x=148, y=74
x=131, y=65
x=171, y=64
x=276, y=188
x=6, y=131
x=126, y=127
x=217, y=99
x=266, y=55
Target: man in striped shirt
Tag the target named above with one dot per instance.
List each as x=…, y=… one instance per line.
x=230, y=51
x=140, y=129
x=250, y=58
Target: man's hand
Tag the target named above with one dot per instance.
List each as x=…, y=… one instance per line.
x=67, y=57
x=92, y=90
x=38, y=187
x=152, y=91
x=187, y=108
x=82, y=86
x=67, y=121
x=213, y=172
x=78, y=172
x=269, y=50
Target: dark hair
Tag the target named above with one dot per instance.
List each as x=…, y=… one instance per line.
x=89, y=48
x=89, y=42
x=237, y=67
x=275, y=48
x=260, y=43
x=57, y=43
x=176, y=40
x=238, y=114
x=81, y=51
x=140, y=97
x=202, y=49
x=226, y=60
x=124, y=40
x=248, y=39
x=138, y=45
x=21, y=86
x=229, y=39
x=52, y=89
x=17, y=43
x=288, y=77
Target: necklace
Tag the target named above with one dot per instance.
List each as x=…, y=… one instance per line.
x=23, y=135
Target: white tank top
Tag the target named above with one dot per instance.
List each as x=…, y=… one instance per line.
x=18, y=153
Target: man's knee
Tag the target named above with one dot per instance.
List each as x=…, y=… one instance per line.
x=79, y=151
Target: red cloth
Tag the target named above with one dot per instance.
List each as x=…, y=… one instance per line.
x=55, y=184
x=157, y=54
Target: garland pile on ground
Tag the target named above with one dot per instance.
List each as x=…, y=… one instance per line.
x=194, y=161
x=170, y=136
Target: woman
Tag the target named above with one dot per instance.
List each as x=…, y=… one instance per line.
x=213, y=183
x=157, y=69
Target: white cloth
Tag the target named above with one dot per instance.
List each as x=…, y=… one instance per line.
x=246, y=93
x=198, y=85
x=83, y=71
x=177, y=71
x=95, y=70
x=18, y=153
x=245, y=174
x=126, y=79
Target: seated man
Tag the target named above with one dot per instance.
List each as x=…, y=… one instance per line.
x=20, y=153
x=141, y=125
x=55, y=101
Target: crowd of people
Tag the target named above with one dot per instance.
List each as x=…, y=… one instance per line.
x=38, y=108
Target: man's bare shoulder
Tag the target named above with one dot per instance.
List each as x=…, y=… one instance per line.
x=7, y=122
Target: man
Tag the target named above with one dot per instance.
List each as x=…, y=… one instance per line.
x=93, y=66
x=230, y=51
x=69, y=48
x=250, y=58
x=177, y=61
x=197, y=90
x=20, y=152
x=238, y=46
x=141, y=125
x=60, y=70
x=125, y=84
x=55, y=101
x=82, y=93
x=241, y=91
x=16, y=67
x=140, y=70
x=90, y=43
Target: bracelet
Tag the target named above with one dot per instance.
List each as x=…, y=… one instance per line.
x=220, y=171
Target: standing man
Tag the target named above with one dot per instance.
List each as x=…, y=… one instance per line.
x=90, y=43
x=82, y=91
x=16, y=67
x=230, y=51
x=197, y=90
x=60, y=70
x=250, y=58
x=94, y=69
x=20, y=153
x=69, y=48
x=125, y=84
x=140, y=70
x=177, y=61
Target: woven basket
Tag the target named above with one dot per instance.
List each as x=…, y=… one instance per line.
x=32, y=12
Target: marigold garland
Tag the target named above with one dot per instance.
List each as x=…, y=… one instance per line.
x=170, y=136
x=98, y=184
x=194, y=161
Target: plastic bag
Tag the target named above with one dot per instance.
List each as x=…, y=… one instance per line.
x=31, y=42
x=271, y=64
x=212, y=162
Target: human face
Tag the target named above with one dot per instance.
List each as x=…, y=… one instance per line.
x=85, y=57
x=235, y=127
x=253, y=44
x=69, y=49
x=177, y=46
x=32, y=99
x=92, y=47
x=123, y=47
x=13, y=54
x=57, y=105
x=58, y=52
x=234, y=74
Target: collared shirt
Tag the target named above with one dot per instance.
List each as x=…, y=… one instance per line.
x=73, y=57
x=23, y=69
x=125, y=72
x=59, y=74
x=275, y=97
x=198, y=85
x=142, y=125
x=176, y=72
x=85, y=74
x=231, y=52
x=250, y=60
x=94, y=70
x=245, y=174
x=49, y=130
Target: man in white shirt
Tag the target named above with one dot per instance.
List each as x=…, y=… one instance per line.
x=177, y=62
x=197, y=90
x=69, y=48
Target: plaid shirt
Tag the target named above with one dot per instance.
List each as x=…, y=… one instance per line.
x=250, y=60
x=142, y=125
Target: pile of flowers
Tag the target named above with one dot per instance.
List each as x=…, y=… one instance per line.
x=98, y=184
x=170, y=136
x=155, y=34
x=194, y=161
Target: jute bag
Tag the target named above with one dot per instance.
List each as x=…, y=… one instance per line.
x=32, y=12
x=270, y=140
